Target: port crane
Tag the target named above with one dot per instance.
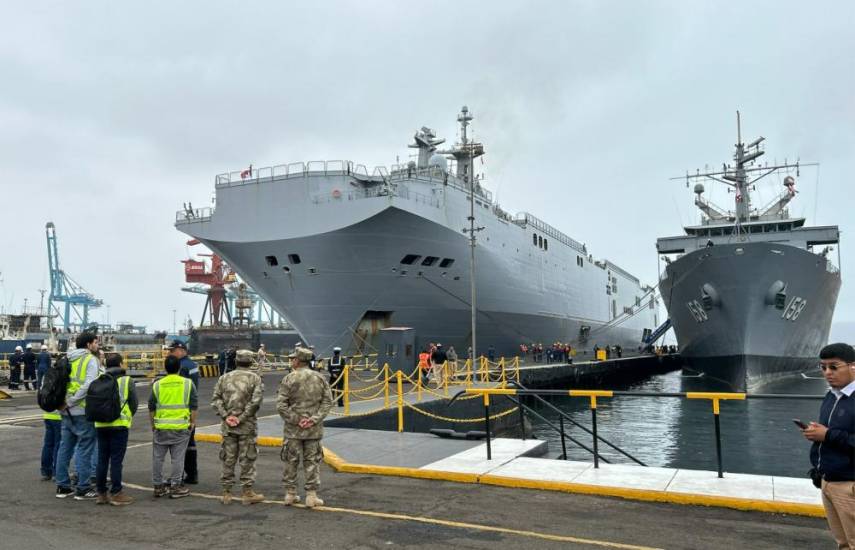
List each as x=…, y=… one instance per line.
x=65, y=290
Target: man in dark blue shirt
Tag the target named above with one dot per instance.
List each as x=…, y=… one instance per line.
x=188, y=369
x=833, y=451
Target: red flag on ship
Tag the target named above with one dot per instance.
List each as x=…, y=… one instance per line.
x=246, y=173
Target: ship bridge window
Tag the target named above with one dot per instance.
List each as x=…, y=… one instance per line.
x=410, y=259
x=294, y=258
x=429, y=261
x=579, y=261
x=534, y=239
x=271, y=261
x=540, y=241
x=446, y=262
x=545, y=244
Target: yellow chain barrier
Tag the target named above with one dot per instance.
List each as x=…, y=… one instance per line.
x=459, y=420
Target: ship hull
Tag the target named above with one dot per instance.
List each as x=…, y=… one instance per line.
x=349, y=273
x=729, y=323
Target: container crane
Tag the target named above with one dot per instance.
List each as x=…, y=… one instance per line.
x=64, y=289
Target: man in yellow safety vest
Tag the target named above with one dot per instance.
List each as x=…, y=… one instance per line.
x=78, y=434
x=172, y=410
x=113, y=437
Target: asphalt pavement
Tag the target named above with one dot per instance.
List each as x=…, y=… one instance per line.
x=361, y=512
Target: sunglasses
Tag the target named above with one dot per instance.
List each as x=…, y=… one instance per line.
x=833, y=366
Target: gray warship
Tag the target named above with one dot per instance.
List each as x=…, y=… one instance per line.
x=342, y=251
x=751, y=291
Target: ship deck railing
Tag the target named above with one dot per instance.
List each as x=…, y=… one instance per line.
x=524, y=219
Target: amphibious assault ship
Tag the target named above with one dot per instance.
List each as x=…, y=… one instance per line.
x=751, y=291
x=342, y=251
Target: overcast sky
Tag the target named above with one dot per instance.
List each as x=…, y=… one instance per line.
x=113, y=115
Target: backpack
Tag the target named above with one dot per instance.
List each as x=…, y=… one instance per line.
x=103, y=403
x=51, y=394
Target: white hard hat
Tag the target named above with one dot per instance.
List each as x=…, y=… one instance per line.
x=19, y=348
x=336, y=348
x=30, y=346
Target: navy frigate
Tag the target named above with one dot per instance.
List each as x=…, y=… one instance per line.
x=343, y=251
x=751, y=291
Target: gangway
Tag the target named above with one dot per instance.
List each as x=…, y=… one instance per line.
x=658, y=333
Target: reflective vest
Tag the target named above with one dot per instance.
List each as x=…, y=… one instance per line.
x=172, y=403
x=79, y=370
x=52, y=416
x=124, y=420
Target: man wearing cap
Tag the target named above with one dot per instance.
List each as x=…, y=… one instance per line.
x=15, y=363
x=335, y=366
x=438, y=359
x=29, y=359
x=188, y=369
x=237, y=398
x=303, y=401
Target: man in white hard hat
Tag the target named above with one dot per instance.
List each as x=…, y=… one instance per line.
x=15, y=362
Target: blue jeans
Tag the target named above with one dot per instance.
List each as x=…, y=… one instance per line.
x=77, y=433
x=112, y=444
x=50, y=447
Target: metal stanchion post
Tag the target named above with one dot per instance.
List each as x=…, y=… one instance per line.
x=563, y=443
x=594, y=430
x=469, y=373
x=419, y=375
x=346, y=390
x=717, y=438
x=487, y=424
x=400, y=401
x=445, y=377
x=522, y=417
x=386, y=386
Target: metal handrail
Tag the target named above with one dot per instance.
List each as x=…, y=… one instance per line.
x=577, y=424
x=559, y=429
x=714, y=397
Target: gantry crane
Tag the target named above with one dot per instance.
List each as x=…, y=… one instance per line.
x=64, y=289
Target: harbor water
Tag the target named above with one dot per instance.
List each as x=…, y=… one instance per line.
x=758, y=435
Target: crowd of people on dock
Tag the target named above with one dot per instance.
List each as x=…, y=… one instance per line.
x=90, y=403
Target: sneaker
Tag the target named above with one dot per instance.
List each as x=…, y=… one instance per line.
x=62, y=492
x=102, y=499
x=160, y=491
x=178, y=491
x=120, y=499
x=85, y=494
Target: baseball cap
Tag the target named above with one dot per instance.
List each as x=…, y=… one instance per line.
x=178, y=344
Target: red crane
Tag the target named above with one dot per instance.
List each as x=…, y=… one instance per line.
x=216, y=306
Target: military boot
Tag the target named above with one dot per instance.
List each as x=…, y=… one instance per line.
x=227, y=496
x=251, y=497
x=291, y=497
x=312, y=499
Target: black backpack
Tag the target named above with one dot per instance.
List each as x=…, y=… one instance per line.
x=51, y=394
x=103, y=403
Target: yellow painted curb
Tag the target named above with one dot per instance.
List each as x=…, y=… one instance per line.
x=813, y=510
x=338, y=464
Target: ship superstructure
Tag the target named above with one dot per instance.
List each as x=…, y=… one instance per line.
x=343, y=251
x=750, y=291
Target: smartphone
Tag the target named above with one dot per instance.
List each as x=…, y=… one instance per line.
x=799, y=423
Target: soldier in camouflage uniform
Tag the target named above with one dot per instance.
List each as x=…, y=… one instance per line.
x=237, y=398
x=303, y=401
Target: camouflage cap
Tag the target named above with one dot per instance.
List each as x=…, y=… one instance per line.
x=243, y=357
x=301, y=354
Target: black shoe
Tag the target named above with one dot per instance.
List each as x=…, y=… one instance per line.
x=194, y=480
x=46, y=477
x=62, y=492
x=85, y=494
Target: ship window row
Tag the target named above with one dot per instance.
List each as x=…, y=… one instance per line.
x=410, y=259
x=580, y=261
x=539, y=241
x=273, y=261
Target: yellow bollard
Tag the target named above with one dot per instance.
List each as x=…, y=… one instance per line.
x=386, y=388
x=469, y=373
x=517, y=367
x=400, y=401
x=346, y=390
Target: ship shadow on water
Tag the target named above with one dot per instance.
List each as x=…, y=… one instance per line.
x=758, y=435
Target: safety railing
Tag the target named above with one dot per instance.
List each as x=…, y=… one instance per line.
x=714, y=397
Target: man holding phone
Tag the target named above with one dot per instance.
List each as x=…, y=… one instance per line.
x=833, y=451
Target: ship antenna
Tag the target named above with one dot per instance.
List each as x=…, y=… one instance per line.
x=738, y=129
